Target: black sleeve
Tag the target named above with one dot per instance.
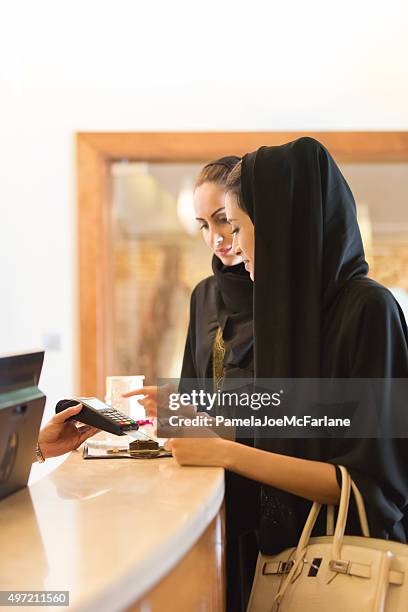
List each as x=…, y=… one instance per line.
x=188, y=368
x=379, y=466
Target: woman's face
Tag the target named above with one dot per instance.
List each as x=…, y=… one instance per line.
x=210, y=213
x=243, y=232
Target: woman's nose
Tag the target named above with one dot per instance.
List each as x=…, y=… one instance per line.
x=235, y=246
x=218, y=241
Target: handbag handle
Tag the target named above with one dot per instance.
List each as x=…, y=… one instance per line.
x=343, y=513
x=346, y=485
x=362, y=515
x=330, y=520
x=315, y=511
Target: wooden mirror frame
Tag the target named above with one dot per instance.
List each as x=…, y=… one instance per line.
x=97, y=151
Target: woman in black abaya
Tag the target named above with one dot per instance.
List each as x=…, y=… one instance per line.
x=221, y=304
x=219, y=348
x=316, y=315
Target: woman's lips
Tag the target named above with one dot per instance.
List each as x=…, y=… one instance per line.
x=224, y=252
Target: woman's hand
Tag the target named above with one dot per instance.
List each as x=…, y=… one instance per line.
x=212, y=451
x=149, y=401
x=59, y=437
x=157, y=399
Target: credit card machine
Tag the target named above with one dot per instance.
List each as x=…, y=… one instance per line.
x=100, y=415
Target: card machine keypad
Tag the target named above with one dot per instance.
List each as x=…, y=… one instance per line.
x=124, y=422
x=99, y=415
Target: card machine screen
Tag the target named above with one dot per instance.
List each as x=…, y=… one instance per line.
x=94, y=402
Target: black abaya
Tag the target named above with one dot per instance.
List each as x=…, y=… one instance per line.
x=225, y=300
x=317, y=315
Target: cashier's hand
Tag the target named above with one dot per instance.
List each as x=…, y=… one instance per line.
x=59, y=437
x=212, y=451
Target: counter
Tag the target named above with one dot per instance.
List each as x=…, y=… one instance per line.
x=118, y=534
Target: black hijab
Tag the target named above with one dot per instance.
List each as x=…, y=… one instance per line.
x=234, y=303
x=305, y=226
x=317, y=315
x=234, y=308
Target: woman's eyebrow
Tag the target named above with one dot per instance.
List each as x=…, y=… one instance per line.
x=212, y=215
x=218, y=210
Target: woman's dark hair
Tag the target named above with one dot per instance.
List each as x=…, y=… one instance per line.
x=217, y=171
x=233, y=185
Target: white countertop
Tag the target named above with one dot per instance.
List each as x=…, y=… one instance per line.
x=106, y=530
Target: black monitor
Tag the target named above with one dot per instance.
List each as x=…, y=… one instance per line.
x=21, y=410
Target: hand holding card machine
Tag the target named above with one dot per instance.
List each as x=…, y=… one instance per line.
x=100, y=415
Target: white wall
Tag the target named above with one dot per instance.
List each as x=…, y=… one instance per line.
x=126, y=65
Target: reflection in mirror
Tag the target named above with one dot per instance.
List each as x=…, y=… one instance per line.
x=381, y=194
x=159, y=257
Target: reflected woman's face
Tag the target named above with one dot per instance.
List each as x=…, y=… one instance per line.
x=210, y=213
x=243, y=232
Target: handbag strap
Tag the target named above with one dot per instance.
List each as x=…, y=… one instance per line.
x=347, y=484
x=342, y=513
x=314, y=513
x=330, y=520
x=362, y=514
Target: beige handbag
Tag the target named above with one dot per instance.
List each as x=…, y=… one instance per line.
x=334, y=572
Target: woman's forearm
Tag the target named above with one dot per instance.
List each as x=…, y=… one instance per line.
x=314, y=480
